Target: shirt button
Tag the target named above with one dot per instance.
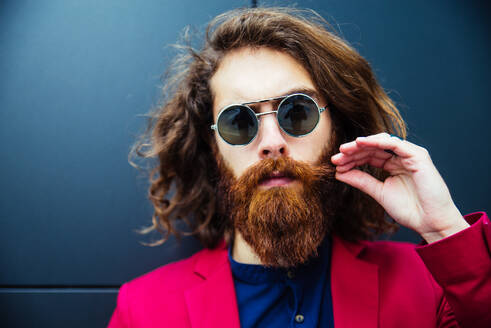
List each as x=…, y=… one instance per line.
x=290, y=274
x=299, y=318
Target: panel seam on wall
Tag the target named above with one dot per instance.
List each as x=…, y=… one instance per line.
x=58, y=290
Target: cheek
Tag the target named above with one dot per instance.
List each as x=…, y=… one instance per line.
x=235, y=157
x=324, y=131
x=312, y=147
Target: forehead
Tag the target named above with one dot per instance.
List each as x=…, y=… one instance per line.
x=247, y=75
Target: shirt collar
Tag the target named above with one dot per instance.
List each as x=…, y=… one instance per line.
x=259, y=274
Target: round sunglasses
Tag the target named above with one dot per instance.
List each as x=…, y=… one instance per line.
x=297, y=114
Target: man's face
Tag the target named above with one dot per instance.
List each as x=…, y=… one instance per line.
x=246, y=75
x=274, y=188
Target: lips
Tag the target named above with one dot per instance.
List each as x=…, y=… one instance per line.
x=276, y=179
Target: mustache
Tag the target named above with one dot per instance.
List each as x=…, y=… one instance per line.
x=307, y=173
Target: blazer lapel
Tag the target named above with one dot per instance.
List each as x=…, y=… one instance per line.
x=354, y=287
x=213, y=303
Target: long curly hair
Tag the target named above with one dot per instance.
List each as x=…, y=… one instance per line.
x=184, y=178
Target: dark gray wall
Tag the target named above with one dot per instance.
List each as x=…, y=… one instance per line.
x=75, y=75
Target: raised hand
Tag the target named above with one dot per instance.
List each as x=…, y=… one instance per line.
x=414, y=194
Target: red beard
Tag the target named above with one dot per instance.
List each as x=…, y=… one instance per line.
x=283, y=225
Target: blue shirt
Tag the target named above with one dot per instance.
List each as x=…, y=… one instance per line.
x=276, y=297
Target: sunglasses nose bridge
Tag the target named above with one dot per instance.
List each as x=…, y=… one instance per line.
x=264, y=115
x=258, y=115
x=263, y=119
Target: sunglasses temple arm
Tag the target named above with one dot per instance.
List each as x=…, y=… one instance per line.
x=213, y=126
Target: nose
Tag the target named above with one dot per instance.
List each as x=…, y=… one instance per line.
x=272, y=143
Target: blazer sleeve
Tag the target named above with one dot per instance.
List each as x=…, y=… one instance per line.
x=119, y=319
x=461, y=265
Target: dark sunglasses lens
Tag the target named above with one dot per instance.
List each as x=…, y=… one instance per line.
x=237, y=125
x=298, y=115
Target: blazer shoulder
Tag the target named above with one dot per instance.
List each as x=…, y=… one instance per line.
x=399, y=261
x=385, y=252
x=172, y=276
x=158, y=296
x=180, y=274
x=387, y=247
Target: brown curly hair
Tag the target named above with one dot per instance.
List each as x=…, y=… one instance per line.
x=183, y=182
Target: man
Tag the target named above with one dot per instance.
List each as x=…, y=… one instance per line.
x=275, y=139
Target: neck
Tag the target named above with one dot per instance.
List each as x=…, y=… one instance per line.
x=242, y=252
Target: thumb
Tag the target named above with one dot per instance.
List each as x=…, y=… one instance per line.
x=362, y=181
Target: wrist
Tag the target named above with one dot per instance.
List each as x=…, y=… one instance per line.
x=458, y=224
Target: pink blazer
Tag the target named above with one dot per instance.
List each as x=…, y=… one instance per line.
x=374, y=284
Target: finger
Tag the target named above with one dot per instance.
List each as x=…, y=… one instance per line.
x=353, y=146
x=386, y=142
x=362, y=181
x=373, y=161
x=341, y=158
x=349, y=147
x=346, y=167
